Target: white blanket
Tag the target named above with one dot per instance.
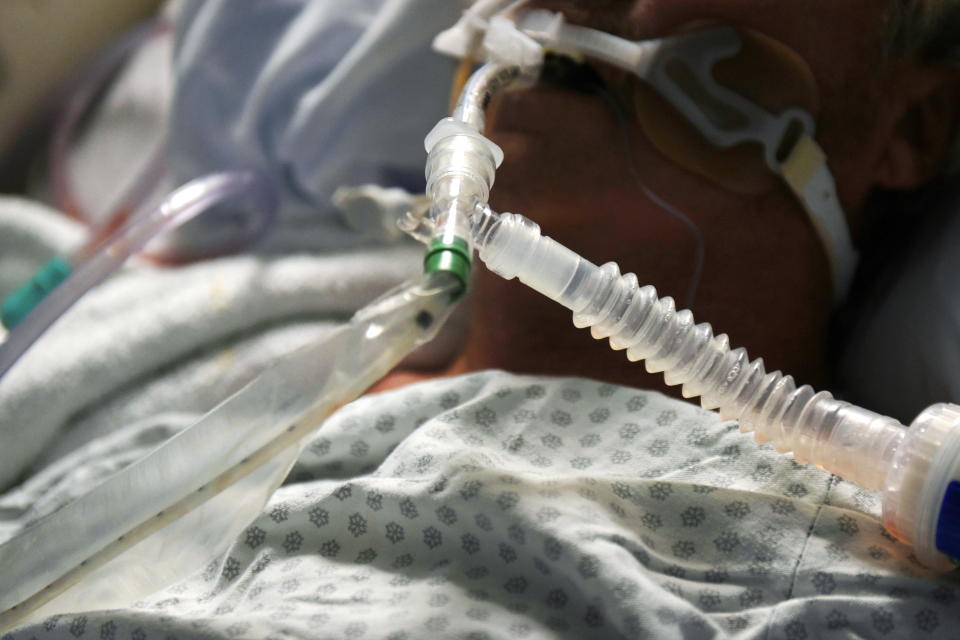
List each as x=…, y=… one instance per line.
x=164, y=340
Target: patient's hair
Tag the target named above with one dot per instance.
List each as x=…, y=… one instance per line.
x=930, y=30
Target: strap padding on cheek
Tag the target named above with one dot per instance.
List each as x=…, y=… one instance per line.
x=808, y=176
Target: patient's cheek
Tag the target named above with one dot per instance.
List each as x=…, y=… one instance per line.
x=565, y=159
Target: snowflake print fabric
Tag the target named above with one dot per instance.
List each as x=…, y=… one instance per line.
x=496, y=506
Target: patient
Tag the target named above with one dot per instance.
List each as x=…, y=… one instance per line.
x=502, y=506
x=889, y=110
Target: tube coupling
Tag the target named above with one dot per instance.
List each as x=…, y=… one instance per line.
x=921, y=502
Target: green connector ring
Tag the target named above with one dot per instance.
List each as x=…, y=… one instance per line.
x=452, y=257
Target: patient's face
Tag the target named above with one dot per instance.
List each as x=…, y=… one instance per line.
x=766, y=276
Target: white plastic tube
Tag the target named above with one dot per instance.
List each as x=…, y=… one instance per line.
x=918, y=470
x=915, y=468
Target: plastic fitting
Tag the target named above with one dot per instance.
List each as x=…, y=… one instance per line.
x=921, y=498
x=462, y=39
x=461, y=164
x=460, y=170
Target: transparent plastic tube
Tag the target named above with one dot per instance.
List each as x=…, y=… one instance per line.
x=480, y=90
x=835, y=435
x=700, y=250
x=185, y=203
x=145, y=188
x=918, y=469
x=178, y=508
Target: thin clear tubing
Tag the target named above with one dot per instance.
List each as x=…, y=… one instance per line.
x=852, y=442
x=182, y=205
x=179, y=508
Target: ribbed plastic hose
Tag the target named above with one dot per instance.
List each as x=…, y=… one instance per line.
x=835, y=435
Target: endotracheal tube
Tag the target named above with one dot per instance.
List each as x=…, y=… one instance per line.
x=461, y=164
x=917, y=469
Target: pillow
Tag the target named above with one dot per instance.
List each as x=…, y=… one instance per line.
x=903, y=352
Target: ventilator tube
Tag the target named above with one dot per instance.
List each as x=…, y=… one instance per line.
x=917, y=469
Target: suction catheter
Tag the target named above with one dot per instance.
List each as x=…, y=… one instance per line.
x=917, y=469
x=180, y=507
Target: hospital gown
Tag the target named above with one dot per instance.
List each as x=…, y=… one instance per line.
x=499, y=506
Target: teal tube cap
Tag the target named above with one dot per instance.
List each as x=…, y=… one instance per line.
x=23, y=299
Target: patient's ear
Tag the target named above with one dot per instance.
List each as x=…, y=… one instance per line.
x=924, y=129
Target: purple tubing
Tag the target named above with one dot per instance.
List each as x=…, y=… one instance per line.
x=84, y=89
x=182, y=205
